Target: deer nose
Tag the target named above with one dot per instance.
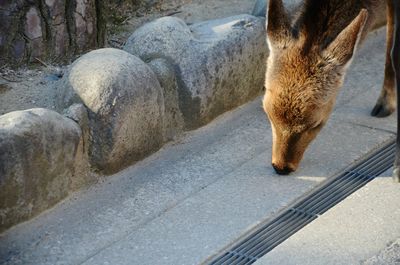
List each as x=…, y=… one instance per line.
x=285, y=170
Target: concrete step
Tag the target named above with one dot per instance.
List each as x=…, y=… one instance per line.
x=203, y=191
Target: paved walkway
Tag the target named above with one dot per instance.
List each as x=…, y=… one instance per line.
x=203, y=191
x=363, y=229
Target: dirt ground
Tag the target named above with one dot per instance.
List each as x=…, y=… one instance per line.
x=36, y=85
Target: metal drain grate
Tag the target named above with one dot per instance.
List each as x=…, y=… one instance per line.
x=272, y=233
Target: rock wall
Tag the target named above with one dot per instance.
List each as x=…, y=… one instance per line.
x=219, y=64
x=184, y=78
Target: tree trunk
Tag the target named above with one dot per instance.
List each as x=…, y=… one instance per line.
x=51, y=30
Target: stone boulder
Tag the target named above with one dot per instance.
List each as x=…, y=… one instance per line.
x=173, y=119
x=260, y=7
x=84, y=177
x=125, y=106
x=219, y=64
x=37, y=154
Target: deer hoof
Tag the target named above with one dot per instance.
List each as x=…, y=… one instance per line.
x=382, y=110
x=385, y=105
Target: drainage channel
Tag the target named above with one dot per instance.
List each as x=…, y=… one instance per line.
x=273, y=232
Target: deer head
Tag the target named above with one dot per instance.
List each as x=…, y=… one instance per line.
x=302, y=82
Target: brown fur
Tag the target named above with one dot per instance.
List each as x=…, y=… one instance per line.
x=306, y=66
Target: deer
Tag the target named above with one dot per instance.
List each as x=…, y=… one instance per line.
x=309, y=54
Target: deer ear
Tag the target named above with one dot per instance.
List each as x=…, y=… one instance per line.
x=342, y=49
x=278, y=24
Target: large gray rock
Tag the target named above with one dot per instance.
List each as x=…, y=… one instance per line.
x=260, y=7
x=219, y=64
x=125, y=106
x=37, y=154
x=173, y=119
x=83, y=176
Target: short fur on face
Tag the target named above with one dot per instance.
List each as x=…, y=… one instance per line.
x=304, y=74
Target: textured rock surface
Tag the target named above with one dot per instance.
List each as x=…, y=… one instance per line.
x=260, y=6
x=125, y=106
x=219, y=64
x=173, y=119
x=83, y=176
x=49, y=29
x=37, y=153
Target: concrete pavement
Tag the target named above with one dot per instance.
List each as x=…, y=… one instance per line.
x=360, y=230
x=204, y=190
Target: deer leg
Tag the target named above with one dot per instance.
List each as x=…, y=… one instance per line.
x=396, y=64
x=386, y=102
